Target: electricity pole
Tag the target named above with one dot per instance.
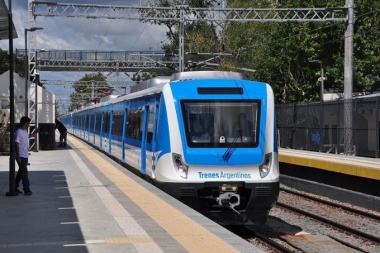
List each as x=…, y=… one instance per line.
x=348, y=75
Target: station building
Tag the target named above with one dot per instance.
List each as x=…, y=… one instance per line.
x=45, y=111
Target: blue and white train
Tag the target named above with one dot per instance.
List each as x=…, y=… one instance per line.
x=183, y=134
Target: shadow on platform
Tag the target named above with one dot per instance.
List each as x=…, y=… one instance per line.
x=43, y=222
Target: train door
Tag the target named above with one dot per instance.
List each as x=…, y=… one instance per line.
x=151, y=138
x=104, y=137
x=79, y=126
x=98, y=120
x=71, y=124
x=92, y=129
x=101, y=131
x=88, y=124
x=89, y=128
x=144, y=128
x=124, y=134
x=84, y=128
x=75, y=125
x=110, y=132
x=116, y=134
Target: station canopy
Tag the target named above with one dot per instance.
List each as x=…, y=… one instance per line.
x=4, y=25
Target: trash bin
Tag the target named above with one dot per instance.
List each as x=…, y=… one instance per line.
x=47, y=136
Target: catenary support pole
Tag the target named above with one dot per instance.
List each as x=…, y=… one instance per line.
x=348, y=75
x=26, y=58
x=12, y=173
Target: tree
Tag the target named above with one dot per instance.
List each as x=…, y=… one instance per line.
x=367, y=45
x=280, y=52
x=83, y=93
x=139, y=76
x=19, y=64
x=200, y=36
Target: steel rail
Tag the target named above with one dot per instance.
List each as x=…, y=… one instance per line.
x=248, y=233
x=350, y=209
x=364, y=235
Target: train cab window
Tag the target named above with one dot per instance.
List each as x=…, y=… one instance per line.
x=201, y=127
x=221, y=123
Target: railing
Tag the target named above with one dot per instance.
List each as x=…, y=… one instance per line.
x=320, y=127
x=93, y=55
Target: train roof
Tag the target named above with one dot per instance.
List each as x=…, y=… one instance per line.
x=196, y=75
x=150, y=83
x=182, y=76
x=154, y=85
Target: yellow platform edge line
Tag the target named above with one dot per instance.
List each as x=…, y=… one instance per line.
x=188, y=233
x=122, y=240
x=348, y=169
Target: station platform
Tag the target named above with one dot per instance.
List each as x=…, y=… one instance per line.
x=85, y=202
x=350, y=179
x=350, y=165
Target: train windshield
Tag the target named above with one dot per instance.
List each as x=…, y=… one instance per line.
x=221, y=123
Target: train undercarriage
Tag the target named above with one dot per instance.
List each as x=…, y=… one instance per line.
x=228, y=203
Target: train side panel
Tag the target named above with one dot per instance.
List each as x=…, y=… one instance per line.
x=211, y=143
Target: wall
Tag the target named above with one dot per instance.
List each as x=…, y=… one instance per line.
x=46, y=99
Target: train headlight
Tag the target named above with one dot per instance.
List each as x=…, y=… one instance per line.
x=266, y=166
x=180, y=166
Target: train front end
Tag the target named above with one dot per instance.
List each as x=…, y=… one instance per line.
x=223, y=149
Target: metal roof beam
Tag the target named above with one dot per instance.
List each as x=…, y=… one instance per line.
x=190, y=14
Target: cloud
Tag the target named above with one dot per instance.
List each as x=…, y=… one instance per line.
x=62, y=33
x=113, y=35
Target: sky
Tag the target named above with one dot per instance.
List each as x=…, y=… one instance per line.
x=60, y=33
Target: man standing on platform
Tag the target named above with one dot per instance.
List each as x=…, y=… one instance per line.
x=63, y=133
x=21, y=148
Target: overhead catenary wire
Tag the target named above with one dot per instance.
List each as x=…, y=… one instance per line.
x=138, y=37
x=105, y=33
x=323, y=27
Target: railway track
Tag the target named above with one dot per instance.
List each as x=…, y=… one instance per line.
x=347, y=221
x=333, y=204
x=272, y=243
x=250, y=234
x=292, y=220
x=343, y=228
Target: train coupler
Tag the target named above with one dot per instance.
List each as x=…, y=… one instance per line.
x=229, y=197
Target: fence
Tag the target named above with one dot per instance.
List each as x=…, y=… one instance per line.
x=320, y=126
